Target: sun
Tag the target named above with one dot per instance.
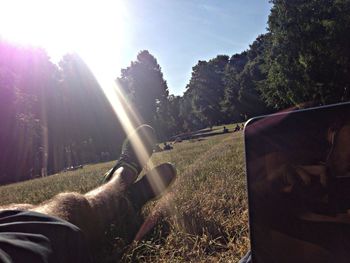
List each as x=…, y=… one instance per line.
x=93, y=29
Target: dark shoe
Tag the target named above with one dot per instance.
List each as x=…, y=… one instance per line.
x=152, y=185
x=132, y=157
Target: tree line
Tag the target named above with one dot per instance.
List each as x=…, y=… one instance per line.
x=55, y=116
x=302, y=59
x=52, y=116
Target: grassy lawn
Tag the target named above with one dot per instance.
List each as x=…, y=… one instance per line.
x=206, y=216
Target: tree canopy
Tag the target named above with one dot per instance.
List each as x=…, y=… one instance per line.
x=308, y=58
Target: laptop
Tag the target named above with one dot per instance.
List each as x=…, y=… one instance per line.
x=298, y=177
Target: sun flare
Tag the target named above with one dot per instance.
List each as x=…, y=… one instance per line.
x=93, y=29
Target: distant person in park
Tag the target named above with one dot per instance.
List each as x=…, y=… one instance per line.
x=225, y=130
x=167, y=146
x=68, y=226
x=237, y=128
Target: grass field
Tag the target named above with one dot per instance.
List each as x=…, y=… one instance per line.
x=206, y=218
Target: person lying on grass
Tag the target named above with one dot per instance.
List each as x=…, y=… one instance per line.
x=68, y=227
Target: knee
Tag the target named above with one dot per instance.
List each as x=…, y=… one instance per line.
x=71, y=198
x=72, y=206
x=76, y=209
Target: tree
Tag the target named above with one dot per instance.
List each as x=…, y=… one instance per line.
x=253, y=78
x=146, y=90
x=88, y=125
x=207, y=87
x=51, y=116
x=309, y=56
x=175, y=119
x=189, y=117
x=231, y=103
x=25, y=75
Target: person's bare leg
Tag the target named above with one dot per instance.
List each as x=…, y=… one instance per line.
x=95, y=210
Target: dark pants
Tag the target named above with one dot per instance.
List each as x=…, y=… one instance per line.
x=247, y=258
x=33, y=237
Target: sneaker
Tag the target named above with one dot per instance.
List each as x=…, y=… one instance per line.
x=128, y=157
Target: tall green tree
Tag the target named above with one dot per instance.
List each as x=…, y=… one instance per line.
x=231, y=103
x=190, y=119
x=253, y=78
x=146, y=90
x=207, y=89
x=309, y=56
x=174, y=119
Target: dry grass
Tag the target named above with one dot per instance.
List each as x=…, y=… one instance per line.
x=204, y=218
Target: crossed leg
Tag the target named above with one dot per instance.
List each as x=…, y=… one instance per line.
x=115, y=201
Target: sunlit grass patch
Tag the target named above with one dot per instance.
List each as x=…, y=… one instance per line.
x=38, y=190
x=207, y=214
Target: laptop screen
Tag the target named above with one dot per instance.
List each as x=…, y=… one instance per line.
x=298, y=174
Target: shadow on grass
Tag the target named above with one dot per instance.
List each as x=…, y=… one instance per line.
x=195, y=231
x=148, y=248
x=197, y=224
x=118, y=238
x=204, y=132
x=204, y=135
x=119, y=244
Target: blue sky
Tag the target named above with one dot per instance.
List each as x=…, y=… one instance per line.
x=179, y=33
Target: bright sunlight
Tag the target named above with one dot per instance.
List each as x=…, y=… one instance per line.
x=93, y=29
